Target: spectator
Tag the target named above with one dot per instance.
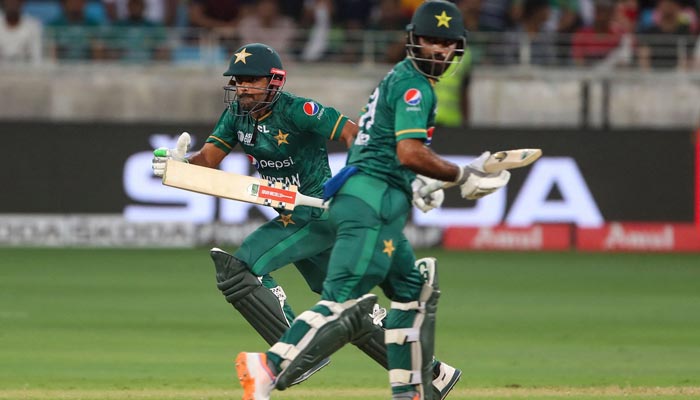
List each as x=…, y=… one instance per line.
x=495, y=16
x=316, y=18
x=294, y=9
x=76, y=35
x=20, y=34
x=354, y=14
x=265, y=24
x=407, y=7
x=659, y=43
x=220, y=15
x=593, y=43
x=351, y=19
x=389, y=17
x=138, y=39
x=563, y=15
x=626, y=16
x=649, y=13
x=531, y=32
x=162, y=12
x=220, y=18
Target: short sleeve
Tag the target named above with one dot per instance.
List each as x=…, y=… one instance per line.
x=414, y=104
x=224, y=135
x=312, y=117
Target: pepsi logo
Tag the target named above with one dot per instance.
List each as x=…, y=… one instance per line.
x=311, y=108
x=412, y=97
x=253, y=161
x=430, y=135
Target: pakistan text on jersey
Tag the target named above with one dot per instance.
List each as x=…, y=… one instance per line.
x=287, y=180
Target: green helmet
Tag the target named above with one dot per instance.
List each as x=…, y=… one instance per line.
x=254, y=60
x=438, y=19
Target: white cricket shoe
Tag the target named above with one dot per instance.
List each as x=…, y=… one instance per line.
x=255, y=376
x=445, y=380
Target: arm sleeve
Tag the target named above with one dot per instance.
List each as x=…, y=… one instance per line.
x=224, y=135
x=414, y=104
x=312, y=117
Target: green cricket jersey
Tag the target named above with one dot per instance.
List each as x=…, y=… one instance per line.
x=401, y=107
x=290, y=145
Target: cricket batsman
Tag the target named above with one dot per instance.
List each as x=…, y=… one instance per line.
x=371, y=203
x=284, y=137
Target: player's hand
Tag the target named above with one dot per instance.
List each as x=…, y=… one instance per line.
x=478, y=183
x=477, y=186
x=429, y=201
x=163, y=154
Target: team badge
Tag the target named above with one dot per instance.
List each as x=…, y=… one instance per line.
x=412, y=97
x=311, y=108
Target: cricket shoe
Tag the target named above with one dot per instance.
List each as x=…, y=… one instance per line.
x=306, y=375
x=255, y=376
x=445, y=378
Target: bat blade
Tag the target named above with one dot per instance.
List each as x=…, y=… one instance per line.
x=510, y=159
x=231, y=186
x=497, y=162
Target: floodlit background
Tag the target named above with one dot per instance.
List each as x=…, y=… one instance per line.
x=581, y=279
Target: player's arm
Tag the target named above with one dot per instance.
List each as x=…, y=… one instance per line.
x=323, y=121
x=349, y=133
x=417, y=157
x=209, y=156
x=474, y=182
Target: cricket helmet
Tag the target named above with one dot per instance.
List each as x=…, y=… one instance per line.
x=437, y=19
x=255, y=60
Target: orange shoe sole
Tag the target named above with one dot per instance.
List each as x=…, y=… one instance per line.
x=247, y=382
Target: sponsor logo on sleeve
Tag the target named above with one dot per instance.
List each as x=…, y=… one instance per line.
x=412, y=97
x=311, y=108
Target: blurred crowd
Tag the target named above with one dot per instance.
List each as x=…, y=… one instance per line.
x=640, y=33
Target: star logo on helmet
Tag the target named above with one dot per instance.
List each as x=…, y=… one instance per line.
x=242, y=55
x=281, y=138
x=443, y=20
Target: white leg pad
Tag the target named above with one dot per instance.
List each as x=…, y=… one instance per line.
x=403, y=377
x=401, y=335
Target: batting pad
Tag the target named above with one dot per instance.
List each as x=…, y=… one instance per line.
x=326, y=335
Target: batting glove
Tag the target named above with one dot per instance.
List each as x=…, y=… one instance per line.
x=475, y=183
x=429, y=201
x=163, y=154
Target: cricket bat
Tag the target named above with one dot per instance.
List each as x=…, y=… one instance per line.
x=231, y=186
x=497, y=162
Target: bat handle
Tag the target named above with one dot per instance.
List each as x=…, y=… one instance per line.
x=303, y=200
x=433, y=186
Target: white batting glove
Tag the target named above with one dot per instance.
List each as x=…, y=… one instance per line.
x=477, y=187
x=163, y=154
x=429, y=201
x=478, y=183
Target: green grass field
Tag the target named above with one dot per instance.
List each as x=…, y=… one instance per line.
x=150, y=324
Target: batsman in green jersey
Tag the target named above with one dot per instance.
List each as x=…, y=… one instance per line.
x=285, y=138
x=371, y=200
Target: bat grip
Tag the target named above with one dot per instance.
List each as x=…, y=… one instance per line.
x=433, y=186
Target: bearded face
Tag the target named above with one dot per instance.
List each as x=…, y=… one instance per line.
x=432, y=56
